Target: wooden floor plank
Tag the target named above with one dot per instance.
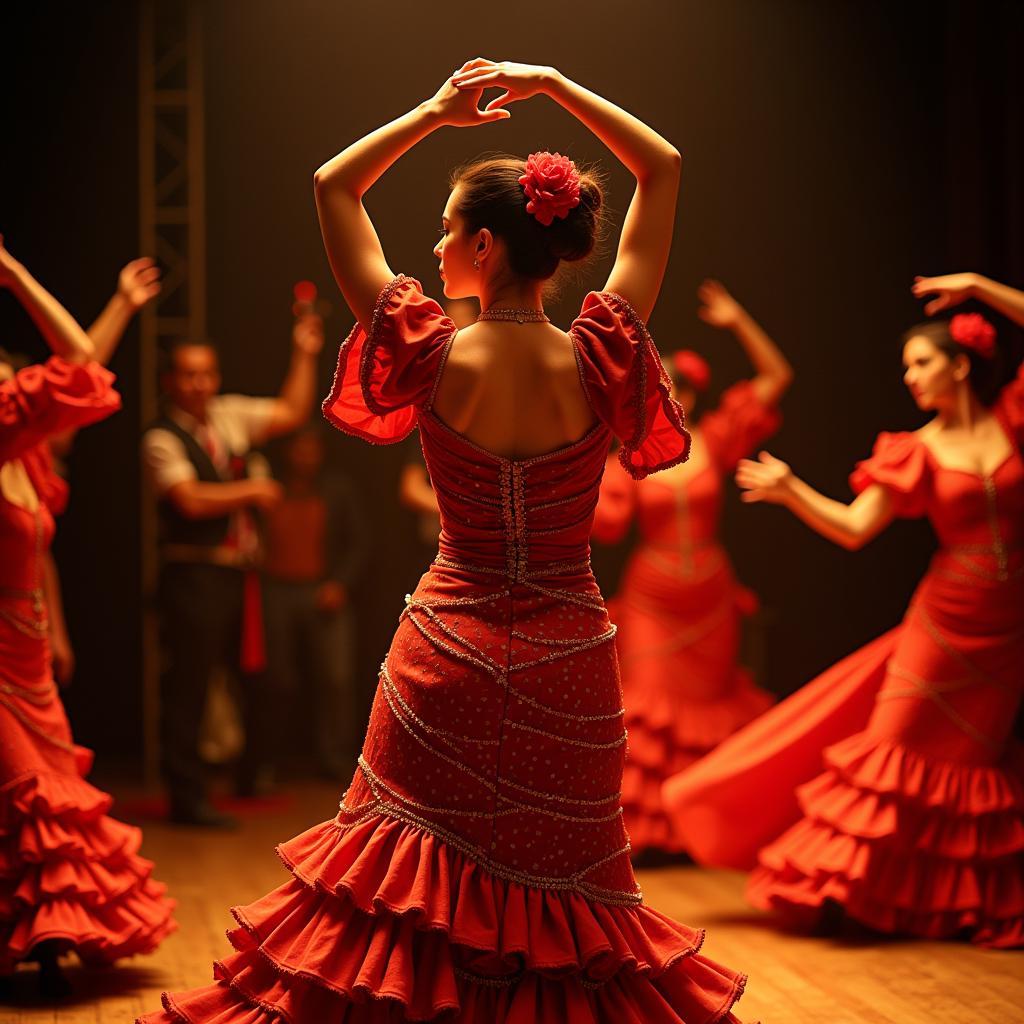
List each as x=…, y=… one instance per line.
x=794, y=979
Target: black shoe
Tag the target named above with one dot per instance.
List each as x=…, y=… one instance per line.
x=201, y=815
x=53, y=984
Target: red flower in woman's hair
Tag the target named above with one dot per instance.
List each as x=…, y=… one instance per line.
x=693, y=368
x=552, y=186
x=973, y=331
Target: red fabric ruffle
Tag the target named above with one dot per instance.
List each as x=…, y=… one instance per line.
x=899, y=462
x=384, y=922
x=48, y=398
x=739, y=423
x=666, y=736
x=70, y=873
x=905, y=843
x=1009, y=406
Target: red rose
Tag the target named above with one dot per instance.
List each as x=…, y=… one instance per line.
x=973, y=331
x=693, y=367
x=552, y=186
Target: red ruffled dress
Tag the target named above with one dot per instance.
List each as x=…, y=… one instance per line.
x=67, y=871
x=916, y=823
x=478, y=869
x=679, y=613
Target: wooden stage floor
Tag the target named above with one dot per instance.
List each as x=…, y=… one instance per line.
x=793, y=979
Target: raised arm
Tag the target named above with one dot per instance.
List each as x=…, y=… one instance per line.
x=137, y=284
x=720, y=309
x=294, y=401
x=952, y=289
x=850, y=526
x=655, y=163
x=58, y=327
x=353, y=248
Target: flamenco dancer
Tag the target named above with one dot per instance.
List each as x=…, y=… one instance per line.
x=679, y=610
x=70, y=877
x=478, y=869
x=912, y=820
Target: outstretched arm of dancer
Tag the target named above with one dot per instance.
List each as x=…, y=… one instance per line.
x=58, y=327
x=353, y=248
x=720, y=309
x=952, y=289
x=655, y=163
x=137, y=284
x=851, y=526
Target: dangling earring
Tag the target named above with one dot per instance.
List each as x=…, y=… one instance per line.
x=476, y=264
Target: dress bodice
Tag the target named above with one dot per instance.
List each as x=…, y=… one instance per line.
x=36, y=403
x=978, y=519
x=522, y=518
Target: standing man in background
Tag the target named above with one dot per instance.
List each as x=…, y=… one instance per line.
x=196, y=456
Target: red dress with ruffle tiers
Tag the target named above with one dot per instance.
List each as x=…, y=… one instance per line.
x=679, y=612
x=478, y=869
x=916, y=824
x=67, y=871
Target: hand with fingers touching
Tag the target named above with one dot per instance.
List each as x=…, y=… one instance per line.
x=767, y=479
x=519, y=81
x=719, y=308
x=459, y=106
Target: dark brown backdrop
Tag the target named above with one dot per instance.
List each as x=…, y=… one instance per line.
x=832, y=151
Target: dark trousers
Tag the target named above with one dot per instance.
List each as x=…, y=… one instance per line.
x=305, y=644
x=201, y=623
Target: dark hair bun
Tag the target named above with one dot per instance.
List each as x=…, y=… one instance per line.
x=491, y=196
x=574, y=237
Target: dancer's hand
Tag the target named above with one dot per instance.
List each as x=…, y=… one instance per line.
x=139, y=282
x=308, y=334
x=951, y=289
x=720, y=309
x=769, y=479
x=460, y=107
x=520, y=81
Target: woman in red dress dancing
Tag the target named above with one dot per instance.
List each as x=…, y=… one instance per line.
x=70, y=877
x=680, y=608
x=912, y=819
x=478, y=869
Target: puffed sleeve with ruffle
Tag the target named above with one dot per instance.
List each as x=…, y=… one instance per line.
x=627, y=385
x=737, y=425
x=1009, y=407
x=899, y=462
x=388, y=372
x=49, y=398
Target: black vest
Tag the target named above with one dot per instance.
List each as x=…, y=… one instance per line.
x=176, y=528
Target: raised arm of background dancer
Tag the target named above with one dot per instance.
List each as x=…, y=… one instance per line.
x=58, y=327
x=720, y=309
x=850, y=526
x=294, y=401
x=414, y=490
x=62, y=654
x=646, y=237
x=137, y=284
x=353, y=248
x=952, y=289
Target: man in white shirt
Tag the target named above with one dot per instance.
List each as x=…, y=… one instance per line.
x=196, y=457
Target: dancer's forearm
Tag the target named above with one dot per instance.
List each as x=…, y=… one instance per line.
x=774, y=372
x=1001, y=297
x=108, y=328
x=58, y=327
x=850, y=526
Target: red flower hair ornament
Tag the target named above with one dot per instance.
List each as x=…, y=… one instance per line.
x=693, y=368
x=552, y=186
x=973, y=331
